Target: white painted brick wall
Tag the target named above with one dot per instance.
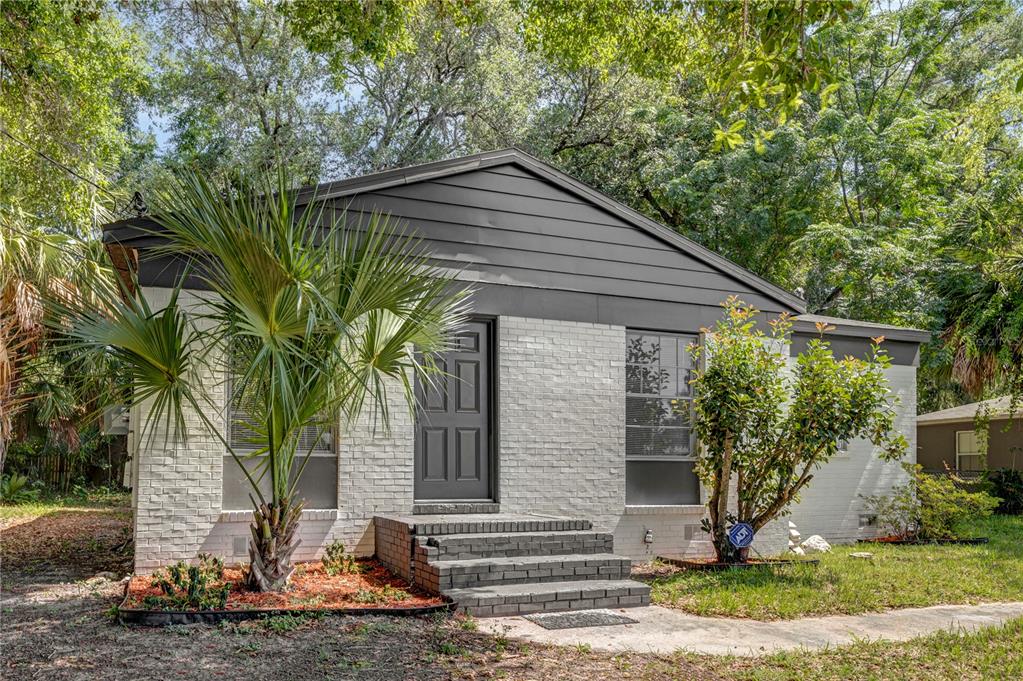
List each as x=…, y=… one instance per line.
x=562, y=434
x=178, y=478
x=178, y=492
x=832, y=503
x=561, y=407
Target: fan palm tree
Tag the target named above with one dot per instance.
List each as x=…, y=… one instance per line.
x=38, y=266
x=312, y=317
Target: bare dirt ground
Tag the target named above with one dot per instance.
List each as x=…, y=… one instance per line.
x=56, y=624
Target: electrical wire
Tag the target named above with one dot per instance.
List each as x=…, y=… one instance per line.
x=57, y=163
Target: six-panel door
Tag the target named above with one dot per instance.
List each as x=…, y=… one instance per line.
x=453, y=446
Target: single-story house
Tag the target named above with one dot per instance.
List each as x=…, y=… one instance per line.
x=948, y=439
x=547, y=412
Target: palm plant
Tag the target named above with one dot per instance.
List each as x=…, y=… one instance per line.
x=38, y=266
x=311, y=315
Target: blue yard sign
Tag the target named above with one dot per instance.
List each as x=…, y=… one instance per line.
x=741, y=535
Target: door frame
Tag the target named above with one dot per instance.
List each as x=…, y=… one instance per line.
x=492, y=420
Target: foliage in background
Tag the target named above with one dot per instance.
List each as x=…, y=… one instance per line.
x=14, y=489
x=761, y=55
x=43, y=385
x=1007, y=486
x=768, y=433
x=945, y=505
x=71, y=74
x=929, y=506
x=60, y=467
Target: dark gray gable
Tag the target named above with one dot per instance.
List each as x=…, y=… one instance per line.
x=536, y=242
x=510, y=221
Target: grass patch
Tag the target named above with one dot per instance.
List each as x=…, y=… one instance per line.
x=84, y=499
x=897, y=577
x=991, y=653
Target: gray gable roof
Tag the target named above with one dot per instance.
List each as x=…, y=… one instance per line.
x=399, y=177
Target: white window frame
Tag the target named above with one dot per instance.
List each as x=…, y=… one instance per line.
x=976, y=453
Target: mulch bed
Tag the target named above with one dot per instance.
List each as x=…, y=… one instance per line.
x=374, y=590
x=710, y=565
x=902, y=541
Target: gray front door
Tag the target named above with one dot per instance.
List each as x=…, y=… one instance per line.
x=453, y=422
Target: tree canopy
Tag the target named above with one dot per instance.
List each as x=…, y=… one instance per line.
x=864, y=154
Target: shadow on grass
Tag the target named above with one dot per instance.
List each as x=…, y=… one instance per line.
x=66, y=545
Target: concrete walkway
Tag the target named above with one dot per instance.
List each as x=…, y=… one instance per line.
x=662, y=630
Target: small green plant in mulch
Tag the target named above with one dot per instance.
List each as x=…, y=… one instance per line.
x=384, y=594
x=186, y=586
x=337, y=561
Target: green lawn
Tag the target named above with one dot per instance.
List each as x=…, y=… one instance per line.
x=86, y=498
x=995, y=653
x=897, y=577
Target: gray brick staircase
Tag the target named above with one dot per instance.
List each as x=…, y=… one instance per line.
x=515, y=565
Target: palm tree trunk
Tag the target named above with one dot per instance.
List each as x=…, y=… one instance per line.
x=272, y=542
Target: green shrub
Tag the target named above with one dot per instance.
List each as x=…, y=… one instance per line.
x=186, y=586
x=14, y=489
x=897, y=513
x=944, y=504
x=1007, y=485
x=930, y=506
x=337, y=562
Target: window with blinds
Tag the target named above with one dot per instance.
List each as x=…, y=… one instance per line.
x=968, y=455
x=658, y=397
x=659, y=442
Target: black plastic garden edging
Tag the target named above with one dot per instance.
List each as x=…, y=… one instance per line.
x=710, y=567
x=970, y=541
x=162, y=618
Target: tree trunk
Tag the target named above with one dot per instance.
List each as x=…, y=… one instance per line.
x=719, y=530
x=272, y=543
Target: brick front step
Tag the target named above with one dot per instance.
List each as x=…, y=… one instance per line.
x=449, y=574
x=523, y=543
x=523, y=599
x=480, y=523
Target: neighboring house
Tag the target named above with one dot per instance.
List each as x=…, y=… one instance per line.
x=576, y=298
x=948, y=439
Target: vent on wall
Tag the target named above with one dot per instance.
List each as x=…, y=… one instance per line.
x=240, y=546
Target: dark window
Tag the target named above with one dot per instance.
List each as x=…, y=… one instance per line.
x=659, y=443
x=318, y=486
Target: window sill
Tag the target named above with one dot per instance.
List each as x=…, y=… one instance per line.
x=678, y=509
x=308, y=514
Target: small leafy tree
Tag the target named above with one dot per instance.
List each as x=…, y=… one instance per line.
x=768, y=432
